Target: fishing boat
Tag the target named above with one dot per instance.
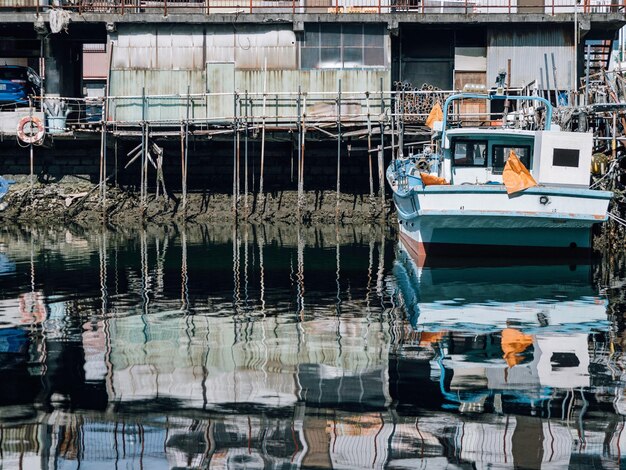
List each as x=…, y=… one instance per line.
x=523, y=184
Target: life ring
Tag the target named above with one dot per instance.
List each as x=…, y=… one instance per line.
x=423, y=164
x=30, y=129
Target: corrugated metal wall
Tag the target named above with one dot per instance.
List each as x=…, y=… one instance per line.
x=190, y=47
x=167, y=59
x=526, y=49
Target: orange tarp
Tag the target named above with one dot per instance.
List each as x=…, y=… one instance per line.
x=513, y=344
x=429, y=180
x=436, y=114
x=516, y=176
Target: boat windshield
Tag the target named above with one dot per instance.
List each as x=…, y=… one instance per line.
x=470, y=153
x=501, y=155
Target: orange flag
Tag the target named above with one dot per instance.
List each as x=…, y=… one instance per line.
x=516, y=176
x=514, y=343
x=429, y=180
x=436, y=114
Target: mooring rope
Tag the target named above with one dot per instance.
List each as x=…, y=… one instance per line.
x=617, y=219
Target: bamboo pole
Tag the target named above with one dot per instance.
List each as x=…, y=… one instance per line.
x=245, y=153
x=105, y=117
x=338, y=146
x=299, y=111
x=186, y=152
x=235, y=154
x=183, y=176
x=301, y=168
x=144, y=150
x=369, y=143
x=145, y=167
x=381, y=159
x=261, y=196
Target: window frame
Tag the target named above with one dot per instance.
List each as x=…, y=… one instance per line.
x=474, y=142
x=498, y=170
x=366, y=47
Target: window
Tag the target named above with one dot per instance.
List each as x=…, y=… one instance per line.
x=470, y=153
x=501, y=155
x=343, y=46
x=566, y=157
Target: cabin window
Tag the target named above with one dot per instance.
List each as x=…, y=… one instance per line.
x=342, y=46
x=470, y=153
x=566, y=157
x=501, y=155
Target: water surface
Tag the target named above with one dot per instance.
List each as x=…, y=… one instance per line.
x=282, y=346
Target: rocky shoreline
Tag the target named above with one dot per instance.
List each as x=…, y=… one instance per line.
x=81, y=202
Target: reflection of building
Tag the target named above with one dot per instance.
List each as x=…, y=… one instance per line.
x=333, y=386
x=323, y=439
x=201, y=362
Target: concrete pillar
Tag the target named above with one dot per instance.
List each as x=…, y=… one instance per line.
x=63, y=64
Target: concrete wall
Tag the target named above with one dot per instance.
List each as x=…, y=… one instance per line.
x=210, y=164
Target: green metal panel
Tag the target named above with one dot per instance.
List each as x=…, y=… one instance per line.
x=220, y=79
x=156, y=82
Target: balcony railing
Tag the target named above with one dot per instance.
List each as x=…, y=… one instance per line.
x=206, y=7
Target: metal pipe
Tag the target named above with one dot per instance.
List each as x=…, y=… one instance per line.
x=461, y=96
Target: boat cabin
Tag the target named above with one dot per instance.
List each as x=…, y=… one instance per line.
x=478, y=156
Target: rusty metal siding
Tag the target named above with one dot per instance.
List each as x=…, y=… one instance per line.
x=189, y=47
x=165, y=59
x=526, y=50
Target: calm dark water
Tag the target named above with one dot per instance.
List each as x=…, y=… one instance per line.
x=294, y=347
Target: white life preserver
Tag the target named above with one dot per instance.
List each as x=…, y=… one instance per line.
x=30, y=129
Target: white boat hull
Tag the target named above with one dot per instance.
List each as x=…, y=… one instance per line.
x=441, y=218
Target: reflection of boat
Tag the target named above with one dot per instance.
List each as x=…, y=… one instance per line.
x=489, y=299
x=513, y=331
x=467, y=192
